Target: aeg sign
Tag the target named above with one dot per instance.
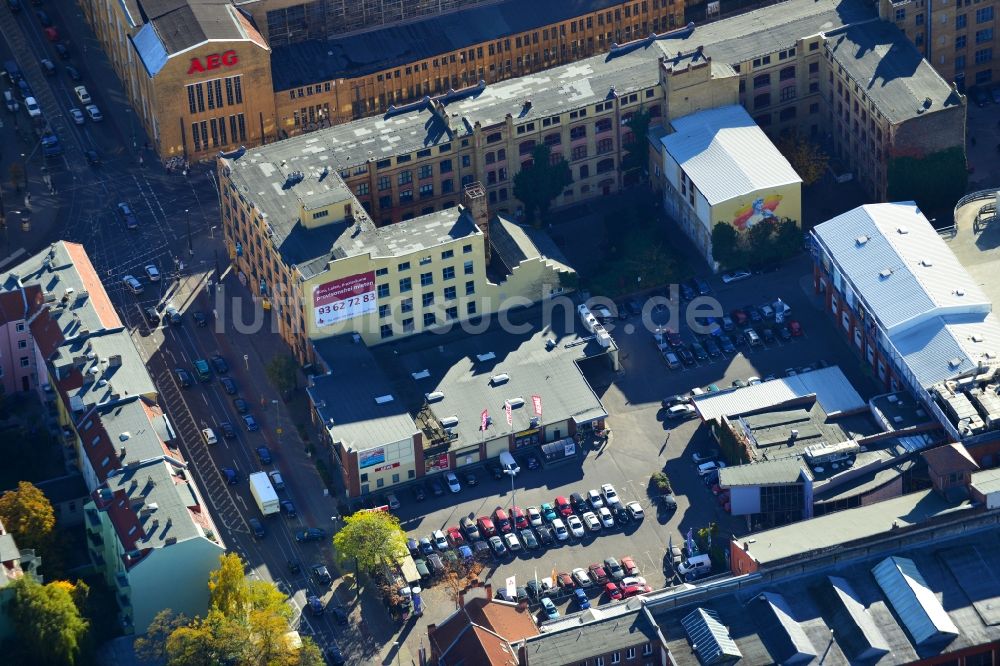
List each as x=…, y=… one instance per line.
x=214, y=61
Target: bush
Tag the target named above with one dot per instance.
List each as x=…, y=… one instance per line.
x=660, y=482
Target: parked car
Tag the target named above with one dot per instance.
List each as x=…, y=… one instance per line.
x=597, y=574
x=563, y=506
x=418, y=492
x=455, y=538
x=251, y=423
x=321, y=575
x=288, y=508
x=276, y=480
x=468, y=526
x=184, y=377
x=501, y=520
x=581, y=599
x=528, y=537
x=71, y=71
x=426, y=545
x=228, y=385
x=256, y=527
x=127, y=216
x=232, y=476
x=549, y=609
x=77, y=115
x=440, y=540
x=486, y=527
x=93, y=159
x=471, y=480
x=592, y=522
x=575, y=526
x=496, y=545
x=94, y=113
x=264, y=455
x=452, y=481
x=535, y=517
x=220, y=365
x=595, y=499
x=735, y=276
x=133, y=284
x=548, y=512
x=681, y=412
x=310, y=534
x=510, y=539
x=241, y=405
x=315, y=604
x=152, y=316
x=795, y=328
x=545, y=535
x=635, y=511
x=614, y=569
x=629, y=565
x=435, y=487
x=610, y=494
x=604, y=513
x=559, y=527
x=613, y=591
x=578, y=503
x=581, y=578
x=494, y=469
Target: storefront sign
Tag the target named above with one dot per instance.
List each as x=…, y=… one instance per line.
x=383, y=468
x=371, y=457
x=344, y=299
x=214, y=61
x=437, y=463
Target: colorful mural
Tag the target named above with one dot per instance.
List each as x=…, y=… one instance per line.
x=762, y=208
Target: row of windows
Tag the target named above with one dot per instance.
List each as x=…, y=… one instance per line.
x=213, y=133
x=427, y=280
x=429, y=318
x=208, y=94
x=616, y=657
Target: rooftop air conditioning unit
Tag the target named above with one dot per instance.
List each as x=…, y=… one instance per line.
x=434, y=396
x=449, y=421
x=502, y=378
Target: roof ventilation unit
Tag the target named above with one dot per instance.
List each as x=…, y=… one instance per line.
x=516, y=402
x=960, y=292
x=502, y=378
x=926, y=263
x=434, y=396
x=861, y=240
x=383, y=399
x=488, y=356
x=902, y=230
x=886, y=272
x=955, y=363
x=449, y=421
x=423, y=374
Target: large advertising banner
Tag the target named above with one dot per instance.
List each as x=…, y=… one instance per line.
x=371, y=457
x=344, y=299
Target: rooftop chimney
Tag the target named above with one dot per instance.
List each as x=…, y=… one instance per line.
x=474, y=200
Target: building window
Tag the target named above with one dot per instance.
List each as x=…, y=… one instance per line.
x=447, y=254
x=960, y=42
x=381, y=271
x=984, y=55
x=761, y=81
x=764, y=99
x=426, y=279
x=405, y=177
x=579, y=152
x=384, y=311
x=427, y=191
x=960, y=21
x=383, y=290
x=451, y=313
x=787, y=93
x=470, y=307
x=919, y=19
x=24, y=361
x=405, y=285
x=445, y=166
x=984, y=76
x=470, y=288
x=468, y=267
x=526, y=147
x=984, y=35
x=362, y=189
x=19, y=327
x=604, y=146
x=602, y=125
x=647, y=649
x=384, y=183
x=426, y=171
x=578, y=132
x=408, y=325
x=429, y=319
x=406, y=305
x=467, y=249
x=985, y=14
x=584, y=172
x=605, y=166
x=448, y=273
x=385, y=330
x=630, y=653
x=406, y=196
x=427, y=299
x=385, y=202
x=22, y=344
x=901, y=14
x=449, y=293
x=787, y=74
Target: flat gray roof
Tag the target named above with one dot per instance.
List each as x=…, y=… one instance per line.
x=888, y=67
x=987, y=481
x=345, y=398
x=454, y=368
x=566, y=87
x=765, y=473
x=565, y=645
x=262, y=174
x=843, y=527
x=101, y=380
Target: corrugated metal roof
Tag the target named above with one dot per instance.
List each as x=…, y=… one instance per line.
x=832, y=389
x=899, y=265
x=709, y=638
x=914, y=602
x=151, y=50
x=943, y=347
x=798, y=648
x=726, y=155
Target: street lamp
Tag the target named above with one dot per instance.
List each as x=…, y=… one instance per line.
x=277, y=427
x=190, y=245
x=511, y=473
x=246, y=360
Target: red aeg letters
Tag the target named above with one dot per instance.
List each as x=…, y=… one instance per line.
x=214, y=61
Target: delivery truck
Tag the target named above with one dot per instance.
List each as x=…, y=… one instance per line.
x=264, y=494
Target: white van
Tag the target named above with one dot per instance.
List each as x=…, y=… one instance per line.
x=710, y=466
x=508, y=463
x=699, y=565
x=209, y=436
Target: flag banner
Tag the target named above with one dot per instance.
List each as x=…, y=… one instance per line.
x=484, y=419
x=536, y=402
x=510, y=416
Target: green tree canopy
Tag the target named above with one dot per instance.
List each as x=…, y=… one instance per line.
x=283, y=373
x=28, y=515
x=370, y=538
x=936, y=181
x=537, y=185
x=47, y=622
x=725, y=244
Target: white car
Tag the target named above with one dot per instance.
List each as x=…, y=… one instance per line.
x=699, y=458
x=610, y=495
x=753, y=381
x=591, y=521
x=595, y=499
x=133, y=284
x=604, y=513
x=513, y=545
x=439, y=539
x=94, y=113
x=153, y=273
x=559, y=527
x=209, y=436
x=77, y=115
x=635, y=511
x=535, y=516
x=453, y=484
x=575, y=525
x=276, y=480
x=633, y=580
x=582, y=578
x=82, y=94
x=735, y=276
x=31, y=106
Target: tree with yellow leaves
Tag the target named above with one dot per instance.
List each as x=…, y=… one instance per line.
x=28, y=515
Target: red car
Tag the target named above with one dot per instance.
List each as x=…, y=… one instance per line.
x=613, y=591
x=724, y=498
x=795, y=328
x=633, y=590
x=565, y=581
x=501, y=520
x=520, y=519
x=739, y=317
x=563, y=507
x=628, y=564
x=596, y=572
x=52, y=34
x=455, y=537
x=486, y=527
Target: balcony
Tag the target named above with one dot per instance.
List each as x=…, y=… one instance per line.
x=122, y=583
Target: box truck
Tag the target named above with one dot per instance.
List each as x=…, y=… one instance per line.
x=263, y=493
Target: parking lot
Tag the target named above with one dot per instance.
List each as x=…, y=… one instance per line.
x=643, y=441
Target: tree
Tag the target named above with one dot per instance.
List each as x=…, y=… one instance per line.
x=759, y=247
x=934, y=181
x=47, y=622
x=539, y=183
x=726, y=245
x=152, y=646
x=283, y=373
x=370, y=538
x=28, y=515
x=787, y=238
x=458, y=576
x=637, y=151
x=309, y=653
x=247, y=623
x=805, y=156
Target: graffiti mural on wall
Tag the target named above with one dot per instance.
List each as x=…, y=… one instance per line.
x=762, y=208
